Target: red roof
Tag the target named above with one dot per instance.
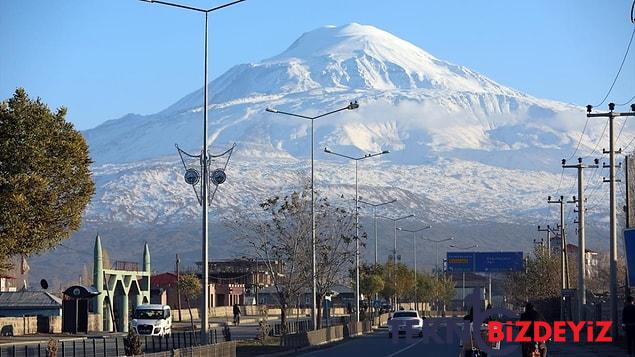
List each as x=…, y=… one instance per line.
x=163, y=280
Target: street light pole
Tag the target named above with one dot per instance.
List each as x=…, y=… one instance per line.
x=394, y=251
x=204, y=159
x=414, y=246
x=437, y=249
x=350, y=106
x=356, y=159
x=375, y=205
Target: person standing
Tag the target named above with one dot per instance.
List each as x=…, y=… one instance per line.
x=532, y=315
x=628, y=323
x=236, y=315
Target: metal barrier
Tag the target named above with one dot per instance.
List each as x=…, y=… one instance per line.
x=108, y=346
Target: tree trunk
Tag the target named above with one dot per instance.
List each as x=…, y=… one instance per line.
x=318, y=302
x=283, y=318
x=187, y=301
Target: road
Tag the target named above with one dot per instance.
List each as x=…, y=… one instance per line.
x=377, y=344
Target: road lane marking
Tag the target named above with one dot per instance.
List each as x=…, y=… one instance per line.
x=404, y=349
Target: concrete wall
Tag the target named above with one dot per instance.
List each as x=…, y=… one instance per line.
x=18, y=326
x=328, y=334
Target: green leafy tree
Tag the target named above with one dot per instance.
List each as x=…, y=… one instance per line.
x=371, y=280
x=444, y=290
x=540, y=279
x=45, y=178
x=425, y=288
x=400, y=280
x=132, y=344
x=190, y=288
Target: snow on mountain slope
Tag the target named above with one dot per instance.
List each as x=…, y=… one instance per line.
x=455, y=136
x=412, y=103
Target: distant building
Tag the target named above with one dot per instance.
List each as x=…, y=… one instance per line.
x=590, y=260
x=29, y=303
x=164, y=289
x=7, y=283
x=249, y=272
x=341, y=296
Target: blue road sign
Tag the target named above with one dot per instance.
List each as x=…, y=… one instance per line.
x=498, y=261
x=485, y=262
x=629, y=245
x=460, y=261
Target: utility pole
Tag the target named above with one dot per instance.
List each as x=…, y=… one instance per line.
x=178, y=285
x=563, y=257
x=611, y=115
x=548, y=230
x=580, y=200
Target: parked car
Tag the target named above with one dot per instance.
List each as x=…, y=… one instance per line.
x=385, y=308
x=152, y=319
x=405, y=321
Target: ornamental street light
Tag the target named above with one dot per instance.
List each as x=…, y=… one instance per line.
x=350, y=106
x=463, y=248
x=375, y=205
x=394, y=250
x=204, y=165
x=356, y=159
x=414, y=246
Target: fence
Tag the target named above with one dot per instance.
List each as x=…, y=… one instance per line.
x=108, y=346
x=294, y=326
x=223, y=349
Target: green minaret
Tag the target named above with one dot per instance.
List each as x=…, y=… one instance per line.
x=98, y=281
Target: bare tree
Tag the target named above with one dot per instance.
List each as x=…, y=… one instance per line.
x=335, y=248
x=278, y=234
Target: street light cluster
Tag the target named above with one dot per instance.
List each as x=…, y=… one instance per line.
x=205, y=177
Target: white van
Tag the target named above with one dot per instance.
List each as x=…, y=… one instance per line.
x=152, y=319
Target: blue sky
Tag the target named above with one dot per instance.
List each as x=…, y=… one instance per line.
x=103, y=59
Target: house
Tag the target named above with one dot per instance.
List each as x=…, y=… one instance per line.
x=590, y=259
x=7, y=283
x=341, y=295
x=164, y=289
x=29, y=303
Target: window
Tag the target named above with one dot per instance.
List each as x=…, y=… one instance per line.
x=405, y=314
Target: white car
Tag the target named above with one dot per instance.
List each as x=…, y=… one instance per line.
x=152, y=320
x=405, y=321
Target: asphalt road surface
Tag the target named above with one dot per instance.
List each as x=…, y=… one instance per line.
x=378, y=344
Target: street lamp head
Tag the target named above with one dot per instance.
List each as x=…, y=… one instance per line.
x=326, y=150
x=270, y=110
x=353, y=105
x=385, y=152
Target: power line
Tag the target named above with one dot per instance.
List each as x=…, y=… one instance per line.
x=619, y=70
x=597, y=143
x=579, y=140
x=626, y=103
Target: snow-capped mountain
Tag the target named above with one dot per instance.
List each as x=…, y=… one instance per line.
x=463, y=148
x=419, y=107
